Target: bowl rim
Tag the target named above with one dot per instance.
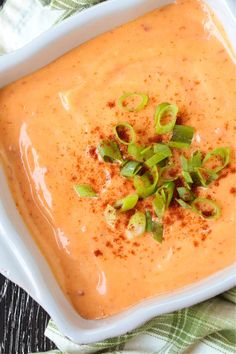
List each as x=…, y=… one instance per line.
x=28, y=267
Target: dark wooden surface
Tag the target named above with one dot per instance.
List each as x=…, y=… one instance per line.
x=22, y=321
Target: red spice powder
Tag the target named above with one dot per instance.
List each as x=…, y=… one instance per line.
x=111, y=104
x=98, y=253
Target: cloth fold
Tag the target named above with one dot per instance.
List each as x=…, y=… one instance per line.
x=207, y=328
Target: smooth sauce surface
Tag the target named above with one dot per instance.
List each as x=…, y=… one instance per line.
x=52, y=121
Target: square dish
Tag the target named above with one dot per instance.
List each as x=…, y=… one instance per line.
x=34, y=274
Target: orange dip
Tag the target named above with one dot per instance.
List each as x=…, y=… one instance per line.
x=52, y=120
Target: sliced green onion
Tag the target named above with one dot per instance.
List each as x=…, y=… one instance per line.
x=157, y=231
x=166, y=175
x=147, y=152
x=136, y=151
x=145, y=185
x=203, y=177
x=127, y=203
x=168, y=189
x=182, y=137
x=213, y=213
x=183, y=204
x=185, y=164
x=159, y=205
x=85, y=191
x=148, y=221
x=109, y=151
x=187, y=177
x=143, y=101
x=110, y=216
x=130, y=168
x=136, y=226
x=185, y=194
x=119, y=134
x=165, y=109
x=223, y=153
x=161, y=152
x=196, y=159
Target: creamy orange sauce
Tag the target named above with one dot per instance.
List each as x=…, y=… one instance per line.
x=52, y=121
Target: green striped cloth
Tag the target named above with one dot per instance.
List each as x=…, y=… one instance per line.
x=207, y=328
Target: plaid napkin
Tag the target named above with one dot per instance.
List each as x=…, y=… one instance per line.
x=207, y=328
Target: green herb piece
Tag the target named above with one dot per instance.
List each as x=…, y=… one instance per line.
x=159, y=204
x=223, y=153
x=207, y=208
x=130, y=168
x=161, y=152
x=148, y=221
x=110, y=216
x=182, y=137
x=110, y=152
x=135, y=150
x=122, y=102
x=154, y=227
x=185, y=194
x=168, y=173
x=136, y=226
x=168, y=189
x=147, y=152
x=164, y=110
x=183, y=204
x=85, y=191
x=157, y=231
x=127, y=203
x=121, y=134
x=145, y=185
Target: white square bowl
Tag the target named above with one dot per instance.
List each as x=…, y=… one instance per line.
x=20, y=259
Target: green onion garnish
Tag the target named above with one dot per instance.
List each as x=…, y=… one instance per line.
x=137, y=225
x=154, y=227
x=148, y=221
x=159, y=204
x=122, y=135
x=163, y=198
x=157, y=231
x=122, y=102
x=185, y=194
x=183, y=204
x=161, y=152
x=168, y=189
x=164, y=110
x=135, y=151
x=182, y=137
x=168, y=173
x=127, y=203
x=223, y=153
x=110, y=152
x=85, y=191
x=145, y=185
x=130, y=168
x=207, y=208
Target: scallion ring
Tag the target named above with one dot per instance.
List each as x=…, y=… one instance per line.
x=121, y=133
x=213, y=210
x=223, y=153
x=165, y=109
x=122, y=102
